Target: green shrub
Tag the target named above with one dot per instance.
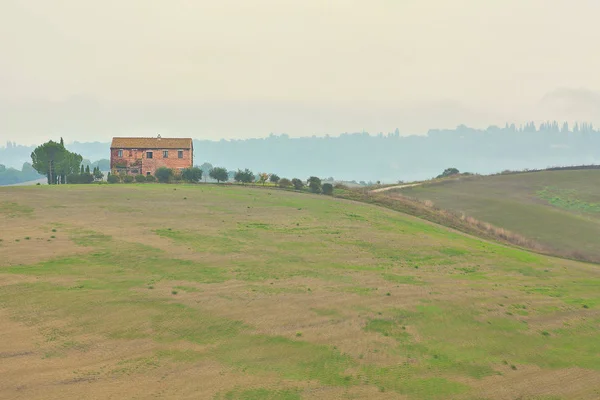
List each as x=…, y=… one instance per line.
x=298, y=184
x=164, y=174
x=327, y=189
x=128, y=179
x=314, y=184
x=193, y=174
x=177, y=176
x=245, y=176
x=140, y=178
x=274, y=178
x=150, y=178
x=285, y=183
x=113, y=178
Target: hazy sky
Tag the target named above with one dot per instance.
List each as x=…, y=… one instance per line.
x=89, y=70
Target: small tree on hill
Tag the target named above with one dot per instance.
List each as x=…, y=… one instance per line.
x=263, y=177
x=449, y=172
x=327, y=189
x=193, y=174
x=298, y=184
x=164, y=174
x=314, y=184
x=274, y=178
x=219, y=174
x=245, y=176
x=285, y=183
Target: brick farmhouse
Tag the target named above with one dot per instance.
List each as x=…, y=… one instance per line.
x=138, y=155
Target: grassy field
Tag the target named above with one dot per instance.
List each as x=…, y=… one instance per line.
x=559, y=209
x=161, y=291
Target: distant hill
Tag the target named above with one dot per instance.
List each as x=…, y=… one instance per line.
x=385, y=157
x=559, y=209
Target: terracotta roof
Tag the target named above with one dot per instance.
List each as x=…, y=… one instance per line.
x=150, y=143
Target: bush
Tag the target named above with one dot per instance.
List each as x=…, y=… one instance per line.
x=80, y=178
x=150, y=178
x=113, y=178
x=327, y=189
x=314, y=184
x=298, y=184
x=140, y=178
x=193, y=174
x=164, y=174
x=177, y=175
x=245, y=176
x=128, y=179
x=285, y=183
x=219, y=174
x=274, y=178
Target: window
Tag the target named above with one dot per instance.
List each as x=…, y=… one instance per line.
x=148, y=173
x=180, y=154
x=148, y=154
x=120, y=153
x=165, y=153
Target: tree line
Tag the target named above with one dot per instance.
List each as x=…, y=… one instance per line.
x=222, y=175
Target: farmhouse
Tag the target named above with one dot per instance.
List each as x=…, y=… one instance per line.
x=139, y=155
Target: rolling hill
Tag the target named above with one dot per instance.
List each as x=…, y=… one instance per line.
x=559, y=209
x=229, y=292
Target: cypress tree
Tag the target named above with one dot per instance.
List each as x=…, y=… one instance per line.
x=82, y=170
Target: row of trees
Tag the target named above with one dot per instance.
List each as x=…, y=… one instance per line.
x=245, y=176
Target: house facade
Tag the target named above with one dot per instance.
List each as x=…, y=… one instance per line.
x=138, y=155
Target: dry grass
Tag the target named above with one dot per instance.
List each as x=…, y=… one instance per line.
x=427, y=210
x=279, y=296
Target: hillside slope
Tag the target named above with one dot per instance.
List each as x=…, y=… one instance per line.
x=214, y=292
x=560, y=209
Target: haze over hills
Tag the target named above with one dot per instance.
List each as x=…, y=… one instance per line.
x=387, y=157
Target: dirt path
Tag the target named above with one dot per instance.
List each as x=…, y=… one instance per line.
x=385, y=189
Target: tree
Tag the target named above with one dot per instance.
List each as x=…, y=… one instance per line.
x=164, y=174
x=82, y=171
x=87, y=169
x=54, y=161
x=193, y=174
x=449, y=172
x=314, y=184
x=298, y=184
x=263, y=177
x=219, y=174
x=206, y=167
x=98, y=175
x=245, y=176
x=284, y=183
x=274, y=178
x=327, y=189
